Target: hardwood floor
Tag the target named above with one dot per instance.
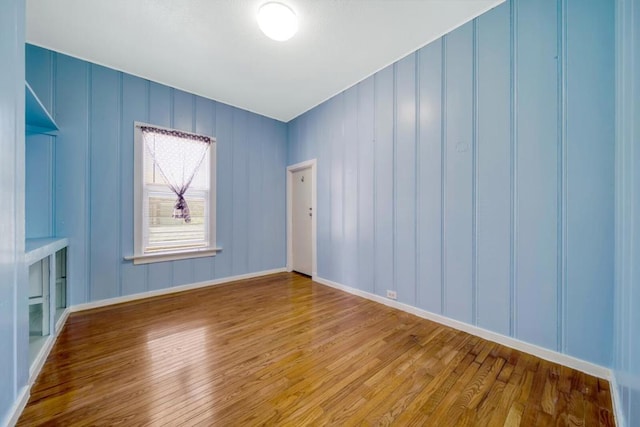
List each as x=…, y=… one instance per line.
x=282, y=350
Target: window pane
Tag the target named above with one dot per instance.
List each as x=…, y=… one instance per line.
x=201, y=179
x=167, y=232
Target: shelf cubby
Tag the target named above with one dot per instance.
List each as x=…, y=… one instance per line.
x=38, y=119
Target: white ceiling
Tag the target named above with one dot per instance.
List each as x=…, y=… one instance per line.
x=214, y=48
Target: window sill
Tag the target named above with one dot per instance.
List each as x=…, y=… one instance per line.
x=172, y=256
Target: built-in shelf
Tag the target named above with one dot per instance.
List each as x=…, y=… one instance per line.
x=38, y=119
x=35, y=300
x=37, y=249
x=45, y=259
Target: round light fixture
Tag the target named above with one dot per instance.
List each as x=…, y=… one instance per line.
x=277, y=21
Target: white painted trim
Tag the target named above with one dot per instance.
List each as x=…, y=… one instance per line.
x=167, y=291
x=139, y=257
x=314, y=209
x=38, y=249
x=616, y=401
x=18, y=407
x=38, y=363
x=63, y=319
x=543, y=353
x=172, y=256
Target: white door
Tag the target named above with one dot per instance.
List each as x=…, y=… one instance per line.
x=301, y=218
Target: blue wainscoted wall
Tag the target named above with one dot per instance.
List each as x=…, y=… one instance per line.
x=80, y=183
x=475, y=176
x=627, y=306
x=14, y=314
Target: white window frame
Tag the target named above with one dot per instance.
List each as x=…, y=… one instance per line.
x=139, y=256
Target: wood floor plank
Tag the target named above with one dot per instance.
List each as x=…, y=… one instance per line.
x=283, y=350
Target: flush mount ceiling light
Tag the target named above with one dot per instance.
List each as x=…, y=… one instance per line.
x=277, y=21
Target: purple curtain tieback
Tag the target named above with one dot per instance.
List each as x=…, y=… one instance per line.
x=181, y=209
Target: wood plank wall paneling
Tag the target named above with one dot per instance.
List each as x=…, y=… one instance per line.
x=365, y=182
x=71, y=79
x=39, y=166
x=325, y=358
x=590, y=127
x=493, y=163
x=535, y=173
x=430, y=194
x=491, y=202
x=90, y=192
x=383, y=183
x=627, y=298
x=135, y=100
x=14, y=319
x=405, y=166
x=458, y=174
x=104, y=203
x=39, y=160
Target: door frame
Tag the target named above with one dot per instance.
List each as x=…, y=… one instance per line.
x=314, y=210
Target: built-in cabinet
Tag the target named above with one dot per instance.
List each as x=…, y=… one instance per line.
x=46, y=261
x=45, y=255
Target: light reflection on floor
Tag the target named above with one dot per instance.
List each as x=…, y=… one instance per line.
x=175, y=363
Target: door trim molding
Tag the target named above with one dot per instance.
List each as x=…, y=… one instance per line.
x=314, y=219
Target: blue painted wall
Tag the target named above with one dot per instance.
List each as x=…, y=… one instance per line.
x=14, y=330
x=627, y=307
x=82, y=186
x=475, y=176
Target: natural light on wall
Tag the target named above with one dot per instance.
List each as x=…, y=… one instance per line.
x=277, y=21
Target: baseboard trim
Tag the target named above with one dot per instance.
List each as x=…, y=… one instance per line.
x=18, y=407
x=173, y=290
x=615, y=400
x=543, y=353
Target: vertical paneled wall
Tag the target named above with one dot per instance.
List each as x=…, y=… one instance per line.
x=627, y=307
x=14, y=357
x=478, y=176
x=90, y=192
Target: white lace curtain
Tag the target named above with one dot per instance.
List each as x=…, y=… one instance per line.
x=178, y=156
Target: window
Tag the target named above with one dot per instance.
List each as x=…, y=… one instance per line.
x=174, y=195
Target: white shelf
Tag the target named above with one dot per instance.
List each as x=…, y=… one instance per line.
x=37, y=249
x=35, y=300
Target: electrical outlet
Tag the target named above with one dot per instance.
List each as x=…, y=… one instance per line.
x=392, y=294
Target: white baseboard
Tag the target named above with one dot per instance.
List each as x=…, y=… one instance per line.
x=543, y=353
x=175, y=289
x=63, y=319
x=615, y=401
x=18, y=407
